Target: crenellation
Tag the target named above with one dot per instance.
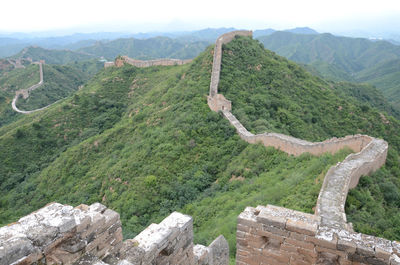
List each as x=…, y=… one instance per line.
x=61, y=234
x=120, y=61
x=270, y=231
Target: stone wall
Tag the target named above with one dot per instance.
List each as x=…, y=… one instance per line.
x=61, y=234
x=219, y=102
x=275, y=235
x=148, y=63
x=25, y=92
x=295, y=146
x=109, y=64
x=216, y=67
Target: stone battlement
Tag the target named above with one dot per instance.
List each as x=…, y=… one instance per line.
x=120, y=61
x=61, y=234
x=275, y=235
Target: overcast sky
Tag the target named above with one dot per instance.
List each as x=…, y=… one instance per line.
x=172, y=15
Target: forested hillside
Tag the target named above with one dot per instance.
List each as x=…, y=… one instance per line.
x=53, y=56
x=59, y=82
x=144, y=142
x=152, y=48
x=343, y=58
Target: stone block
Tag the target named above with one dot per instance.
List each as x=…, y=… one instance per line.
x=396, y=247
x=276, y=231
x=16, y=249
x=326, y=238
x=327, y=258
x=302, y=244
x=271, y=220
x=201, y=255
x=111, y=217
x=219, y=251
x=73, y=245
x=59, y=256
x=301, y=227
x=276, y=255
x=383, y=249
x=97, y=207
x=395, y=259
x=347, y=246
x=41, y=235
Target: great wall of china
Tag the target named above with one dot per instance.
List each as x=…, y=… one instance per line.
x=59, y=234
x=139, y=63
x=25, y=93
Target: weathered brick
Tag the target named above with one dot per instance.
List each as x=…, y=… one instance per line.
x=272, y=220
x=302, y=244
x=301, y=227
x=347, y=246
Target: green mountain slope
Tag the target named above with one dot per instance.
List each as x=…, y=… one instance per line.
x=53, y=56
x=350, y=54
x=145, y=143
x=60, y=82
x=11, y=81
x=386, y=77
x=152, y=48
x=343, y=59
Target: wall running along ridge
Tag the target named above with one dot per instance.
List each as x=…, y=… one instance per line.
x=25, y=93
x=61, y=234
x=276, y=235
x=120, y=61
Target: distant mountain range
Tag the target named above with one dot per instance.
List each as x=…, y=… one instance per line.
x=343, y=58
x=337, y=58
x=11, y=44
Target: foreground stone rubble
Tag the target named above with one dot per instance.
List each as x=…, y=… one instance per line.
x=61, y=234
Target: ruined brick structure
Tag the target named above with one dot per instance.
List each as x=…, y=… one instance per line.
x=120, y=61
x=59, y=234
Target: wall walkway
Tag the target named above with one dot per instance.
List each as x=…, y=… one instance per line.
x=25, y=93
x=275, y=235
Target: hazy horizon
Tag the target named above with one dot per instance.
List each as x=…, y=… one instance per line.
x=68, y=17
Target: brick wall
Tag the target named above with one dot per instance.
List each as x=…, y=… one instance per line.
x=275, y=235
x=61, y=234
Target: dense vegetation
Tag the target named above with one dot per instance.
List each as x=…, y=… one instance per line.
x=277, y=95
x=153, y=48
x=59, y=82
x=343, y=59
x=145, y=143
x=11, y=81
x=53, y=56
x=21, y=78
